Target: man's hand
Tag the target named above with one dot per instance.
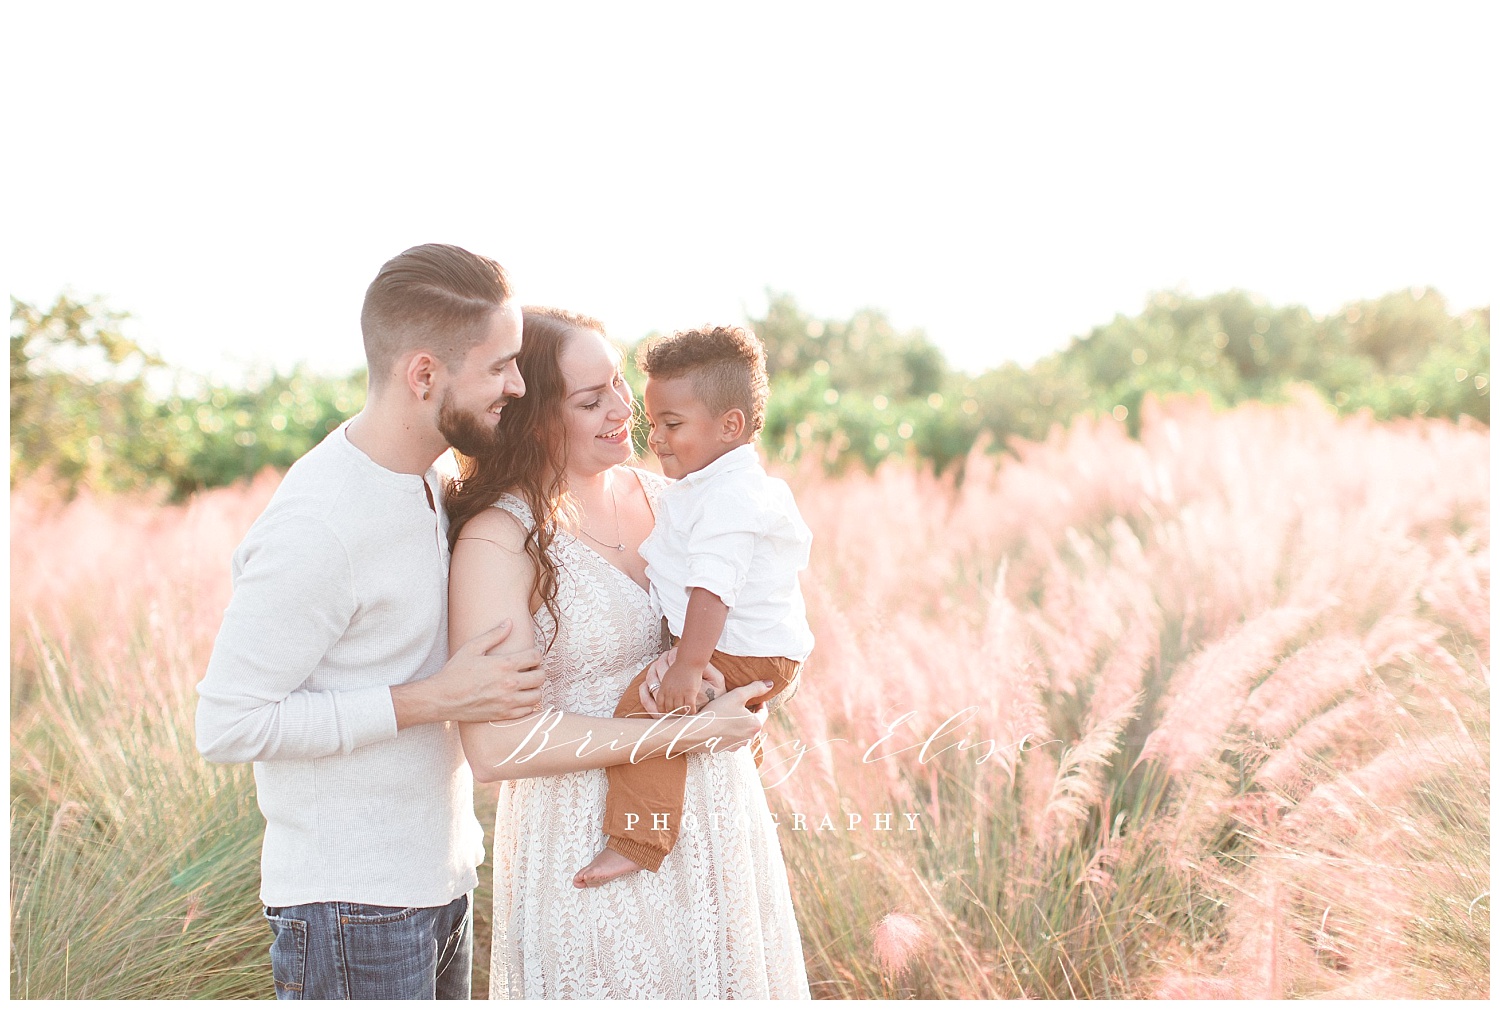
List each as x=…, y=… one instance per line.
x=474, y=686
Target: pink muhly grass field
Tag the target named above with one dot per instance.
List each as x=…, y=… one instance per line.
x=1199, y=714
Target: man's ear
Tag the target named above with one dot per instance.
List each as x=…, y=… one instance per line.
x=421, y=374
x=732, y=425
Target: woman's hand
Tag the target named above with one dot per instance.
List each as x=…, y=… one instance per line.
x=711, y=688
x=726, y=723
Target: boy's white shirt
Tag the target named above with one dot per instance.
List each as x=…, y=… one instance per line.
x=734, y=530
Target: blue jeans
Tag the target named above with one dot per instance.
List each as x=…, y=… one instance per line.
x=346, y=950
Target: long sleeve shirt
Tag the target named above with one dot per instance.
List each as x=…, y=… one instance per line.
x=340, y=592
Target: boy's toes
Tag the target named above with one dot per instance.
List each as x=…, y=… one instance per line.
x=607, y=865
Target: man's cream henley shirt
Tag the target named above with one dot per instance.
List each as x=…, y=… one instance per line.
x=340, y=592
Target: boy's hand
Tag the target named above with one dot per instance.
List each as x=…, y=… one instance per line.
x=711, y=687
x=678, y=691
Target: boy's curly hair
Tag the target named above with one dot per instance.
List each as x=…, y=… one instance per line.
x=727, y=365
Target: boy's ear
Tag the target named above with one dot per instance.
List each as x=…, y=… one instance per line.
x=732, y=425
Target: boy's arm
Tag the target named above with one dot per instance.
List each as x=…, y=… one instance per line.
x=701, y=628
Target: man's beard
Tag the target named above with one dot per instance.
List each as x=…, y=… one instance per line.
x=465, y=432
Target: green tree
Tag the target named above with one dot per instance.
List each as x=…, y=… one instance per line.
x=857, y=389
x=1405, y=354
x=224, y=433
x=83, y=412
x=852, y=391
x=864, y=351
x=80, y=409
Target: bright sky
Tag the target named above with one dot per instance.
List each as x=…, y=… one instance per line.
x=1004, y=175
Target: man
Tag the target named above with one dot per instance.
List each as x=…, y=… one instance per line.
x=331, y=672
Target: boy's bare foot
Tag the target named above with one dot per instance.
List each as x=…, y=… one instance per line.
x=607, y=865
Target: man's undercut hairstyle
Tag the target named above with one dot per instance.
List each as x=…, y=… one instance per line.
x=727, y=366
x=431, y=297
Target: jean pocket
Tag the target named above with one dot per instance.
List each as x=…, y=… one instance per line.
x=388, y=952
x=354, y=913
x=288, y=954
x=460, y=907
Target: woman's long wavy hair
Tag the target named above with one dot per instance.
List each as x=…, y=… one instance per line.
x=531, y=459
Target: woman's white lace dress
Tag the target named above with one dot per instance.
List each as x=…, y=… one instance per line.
x=716, y=921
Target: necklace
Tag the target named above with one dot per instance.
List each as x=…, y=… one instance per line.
x=602, y=543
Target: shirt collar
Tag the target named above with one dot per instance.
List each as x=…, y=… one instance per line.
x=410, y=482
x=739, y=458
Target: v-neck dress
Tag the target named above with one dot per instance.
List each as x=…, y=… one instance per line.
x=716, y=920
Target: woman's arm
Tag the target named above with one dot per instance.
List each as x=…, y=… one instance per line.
x=490, y=580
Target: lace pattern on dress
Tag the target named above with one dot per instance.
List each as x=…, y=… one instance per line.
x=716, y=921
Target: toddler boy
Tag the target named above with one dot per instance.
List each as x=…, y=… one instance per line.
x=723, y=562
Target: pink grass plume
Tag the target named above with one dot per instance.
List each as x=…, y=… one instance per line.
x=898, y=938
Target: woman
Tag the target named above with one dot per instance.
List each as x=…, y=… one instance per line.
x=558, y=554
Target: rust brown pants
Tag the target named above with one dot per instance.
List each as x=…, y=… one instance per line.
x=644, y=805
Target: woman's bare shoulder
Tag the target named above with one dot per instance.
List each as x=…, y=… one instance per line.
x=497, y=526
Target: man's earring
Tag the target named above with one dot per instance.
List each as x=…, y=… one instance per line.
x=426, y=393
